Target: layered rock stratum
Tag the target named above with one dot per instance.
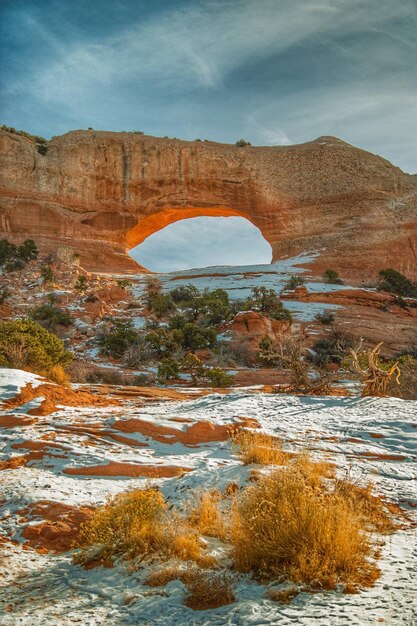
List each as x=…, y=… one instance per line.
x=98, y=194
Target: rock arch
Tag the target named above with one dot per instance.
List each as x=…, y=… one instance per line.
x=99, y=194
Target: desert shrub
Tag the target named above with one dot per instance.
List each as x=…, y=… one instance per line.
x=81, y=284
x=195, y=337
x=50, y=316
x=332, y=277
x=168, y=369
x=331, y=349
x=206, y=515
x=294, y=281
x=25, y=343
x=130, y=524
x=259, y=448
x=47, y=274
x=184, y=294
x=28, y=250
x=162, y=305
x=8, y=251
x=288, y=525
x=394, y=282
x=242, y=143
x=217, y=377
x=124, y=283
x=267, y=301
x=119, y=338
x=153, y=288
x=14, y=265
x=283, y=351
x=325, y=318
x=163, y=342
x=208, y=589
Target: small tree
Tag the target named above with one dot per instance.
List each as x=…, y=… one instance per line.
x=242, y=143
x=121, y=336
x=28, y=250
x=394, y=282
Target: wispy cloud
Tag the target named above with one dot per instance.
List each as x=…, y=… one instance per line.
x=274, y=71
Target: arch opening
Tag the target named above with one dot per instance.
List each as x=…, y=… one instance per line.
x=171, y=241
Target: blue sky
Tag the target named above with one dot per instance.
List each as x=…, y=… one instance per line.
x=271, y=71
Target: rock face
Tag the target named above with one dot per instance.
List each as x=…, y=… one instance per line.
x=98, y=194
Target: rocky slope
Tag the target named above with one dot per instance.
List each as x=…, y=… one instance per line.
x=99, y=194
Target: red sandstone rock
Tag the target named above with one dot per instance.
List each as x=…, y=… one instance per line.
x=100, y=193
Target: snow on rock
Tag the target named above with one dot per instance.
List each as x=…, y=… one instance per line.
x=12, y=381
x=370, y=439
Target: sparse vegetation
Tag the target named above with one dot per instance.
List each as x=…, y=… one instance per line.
x=294, y=281
x=258, y=448
x=267, y=301
x=332, y=277
x=40, y=142
x=119, y=338
x=13, y=257
x=47, y=274
x=242, y=143
x=81, y=284
x=326, y=318
x=50, y=316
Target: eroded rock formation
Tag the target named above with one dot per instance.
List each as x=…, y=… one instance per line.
x=98, y=194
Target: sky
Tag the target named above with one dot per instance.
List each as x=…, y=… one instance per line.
x=274, y=72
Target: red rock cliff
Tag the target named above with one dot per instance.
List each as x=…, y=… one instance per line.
x=101, y=193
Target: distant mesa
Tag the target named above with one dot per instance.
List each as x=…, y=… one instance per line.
x=99, y=194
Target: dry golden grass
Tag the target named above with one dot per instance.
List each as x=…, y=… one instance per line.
x=373, y=510
x=129, y=523
x=162, y=577
x=259, y=448
x=208, y=589
x=58, y=375
x=291, y=523
x=206, y=515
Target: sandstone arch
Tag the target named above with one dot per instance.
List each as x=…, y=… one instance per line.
x=151, y=224
x=98, y=193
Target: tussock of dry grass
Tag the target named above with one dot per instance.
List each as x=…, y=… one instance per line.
x=129, y=523
x=292, y=524
x=206, y=515
x=259, y=448
x=137, y=523
x=58, y=375
x=208, y=589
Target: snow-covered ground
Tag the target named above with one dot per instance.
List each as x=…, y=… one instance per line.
x=369, y=439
